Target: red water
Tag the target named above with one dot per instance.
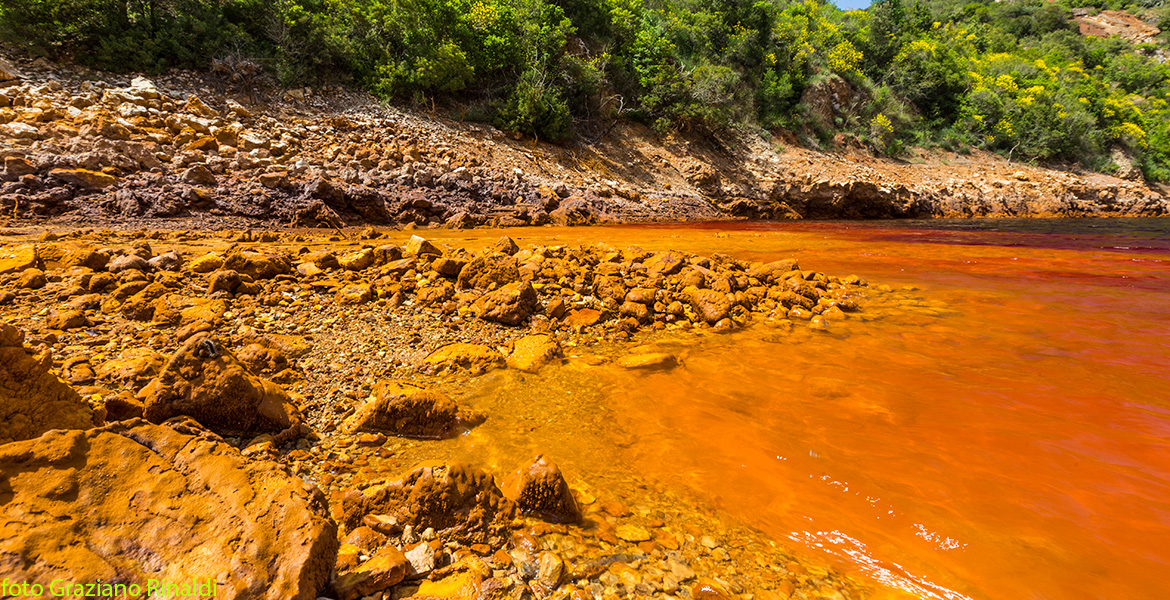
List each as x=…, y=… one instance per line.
x=1000, y=432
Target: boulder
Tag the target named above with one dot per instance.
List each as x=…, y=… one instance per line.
x=33, y=400
x=127, y=262
x=769, y=272
x=385, y=569
x=257, y=265
x=506, y=245
x=709, y=305
x=407, y=410
x=420, y=247
x=476, y=358
x=67, y=319
x=205, y=381
x=94, y=180
x=15, y=260
x=134, y=501
x=355, y=293
x=31, y=279
x=488, y=271
x=357, y=261
x=509, y=305
x=207, y=263
x=461, y=503
x=540, y=489
x=532, y=352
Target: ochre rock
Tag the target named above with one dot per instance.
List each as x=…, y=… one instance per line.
x=476, y=358
x=15, y=260
x=33, y=400
x=83, y=178
x=133, y=367
x=540, y=489
x=459, y=501
x=134, y=501
x=257, y=265
x=385, y=569
x=532, y=352
x=710, y=305
x=484, y=272
x=403, y=409
x=205, y=381
x=509, y=305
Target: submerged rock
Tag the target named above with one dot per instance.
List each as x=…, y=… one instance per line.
x=135, y=501
x=532, y=352
x=475, y=358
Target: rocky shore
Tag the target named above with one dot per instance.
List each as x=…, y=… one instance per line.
x=81, y=147
x=264, y=411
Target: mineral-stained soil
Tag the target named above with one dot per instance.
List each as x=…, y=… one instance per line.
x=329, y=479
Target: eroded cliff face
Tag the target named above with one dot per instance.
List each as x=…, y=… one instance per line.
x=93, y=148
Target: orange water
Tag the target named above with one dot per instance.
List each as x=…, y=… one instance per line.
x=1002, y=431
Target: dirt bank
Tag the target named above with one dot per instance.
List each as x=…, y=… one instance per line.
x=81, y=147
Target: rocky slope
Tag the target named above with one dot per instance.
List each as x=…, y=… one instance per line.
x=84, y=147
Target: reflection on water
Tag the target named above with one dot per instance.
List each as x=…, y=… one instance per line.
x=999, y=430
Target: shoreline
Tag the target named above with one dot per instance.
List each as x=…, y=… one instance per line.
x=299, y=330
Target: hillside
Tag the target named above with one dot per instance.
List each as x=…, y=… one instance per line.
x=79, y=149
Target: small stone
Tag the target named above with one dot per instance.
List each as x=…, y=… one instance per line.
x=421, y=559
x=550, y=570
x=709, y=542
x=632, y=533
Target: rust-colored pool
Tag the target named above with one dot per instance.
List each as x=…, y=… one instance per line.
x=997, y=427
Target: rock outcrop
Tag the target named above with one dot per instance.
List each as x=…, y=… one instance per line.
x=32, y=399
x=133, y=502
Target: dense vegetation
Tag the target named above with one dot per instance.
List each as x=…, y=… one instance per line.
x=1014, y=77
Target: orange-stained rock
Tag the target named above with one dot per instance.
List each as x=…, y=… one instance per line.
x=205, y=381
x=476, y=358
x=386, y=568
x=459, y=501
x=540, y=489
x=585, y=317
x=83, y=178
x=485, y=272
x=710, y=305
x=133, y=367
x=135, y=501
x=15, y=260
x=33, y=400
x=406, y=410
x=509, y=305
x=257, y=265
x=532, y=352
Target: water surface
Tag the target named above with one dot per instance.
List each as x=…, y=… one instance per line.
x=996, y=427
